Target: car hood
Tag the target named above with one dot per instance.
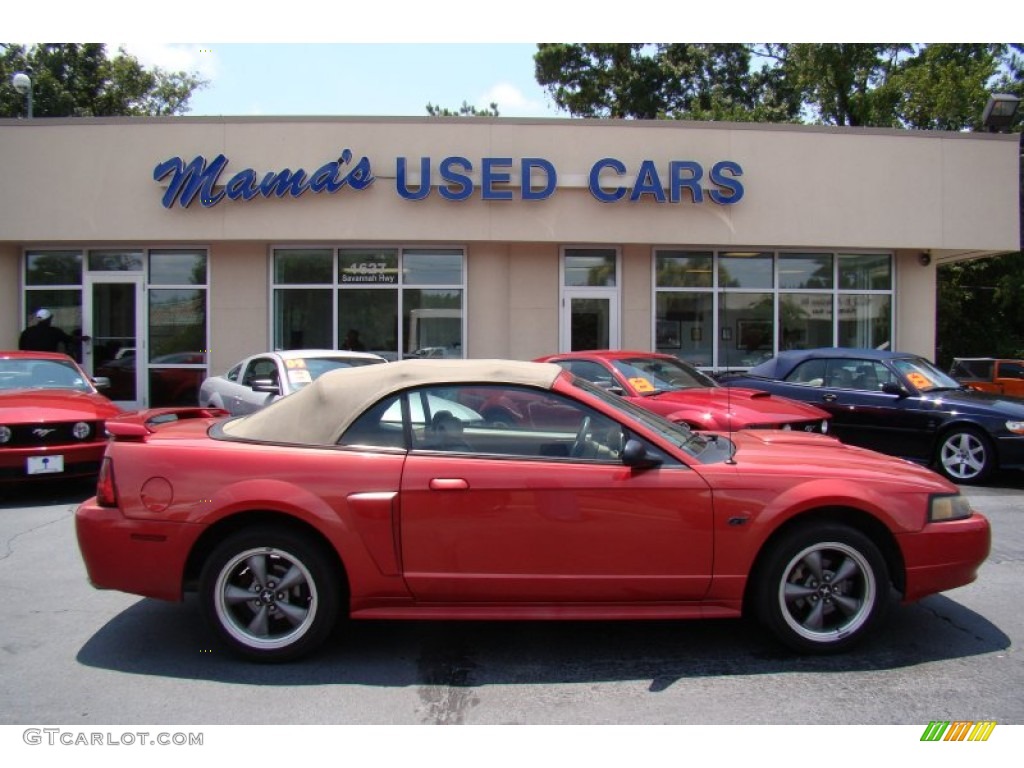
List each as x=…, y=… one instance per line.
x=819, y=456
x=973, y=401
x=748, y=406
x=41, y=405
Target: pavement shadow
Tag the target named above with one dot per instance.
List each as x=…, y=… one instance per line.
x=171, y=640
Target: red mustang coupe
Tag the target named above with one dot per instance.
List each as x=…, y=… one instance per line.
x=51, y=418
x=380, y=492
x=679, y=392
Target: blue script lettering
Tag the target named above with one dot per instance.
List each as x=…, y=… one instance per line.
x=201, y=179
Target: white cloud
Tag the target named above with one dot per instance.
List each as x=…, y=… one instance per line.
x=173, y=58
x=512, y=102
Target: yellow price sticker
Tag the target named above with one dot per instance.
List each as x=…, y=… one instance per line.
x=296, y=363
x=641, y=384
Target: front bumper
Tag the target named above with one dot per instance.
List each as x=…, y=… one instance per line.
x=944, y=555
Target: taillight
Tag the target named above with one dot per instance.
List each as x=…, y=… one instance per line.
x=106, y=492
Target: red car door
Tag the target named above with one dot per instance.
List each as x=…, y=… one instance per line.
x=481, y=523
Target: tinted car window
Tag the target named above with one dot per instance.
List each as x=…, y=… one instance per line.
x=810, y=372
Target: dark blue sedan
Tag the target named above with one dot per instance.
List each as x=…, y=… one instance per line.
x=900, y=404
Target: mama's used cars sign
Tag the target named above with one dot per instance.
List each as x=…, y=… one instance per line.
x=452, y=178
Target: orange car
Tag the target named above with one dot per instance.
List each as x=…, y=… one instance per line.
x=989, y=374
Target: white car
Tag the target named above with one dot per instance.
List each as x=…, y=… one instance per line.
x=261, y=379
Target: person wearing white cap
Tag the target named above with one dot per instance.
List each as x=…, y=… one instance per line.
x=43, y=336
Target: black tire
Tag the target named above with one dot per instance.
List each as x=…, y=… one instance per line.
x=270, y=593
x=965, y=455
x=822, y=588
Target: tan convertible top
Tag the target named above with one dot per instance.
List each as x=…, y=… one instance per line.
x=320, y=413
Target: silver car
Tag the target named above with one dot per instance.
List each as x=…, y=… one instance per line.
x=261, y=379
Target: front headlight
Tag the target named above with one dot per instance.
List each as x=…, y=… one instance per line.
x=5, y=434
x=1017, y=427
x=824, y=426
x=81, y=430
x=942, y=508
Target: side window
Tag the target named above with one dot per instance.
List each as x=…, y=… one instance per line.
x=538, y=424
x=262, y=368
x=589, y=370
x=232, y=375
x=810, y=372
x=842, y=374
x=380, y=426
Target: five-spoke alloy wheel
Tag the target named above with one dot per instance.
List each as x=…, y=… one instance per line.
x=965, y=456
x=822, y=587
x=270, y=593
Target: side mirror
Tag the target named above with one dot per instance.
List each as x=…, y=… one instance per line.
x=634, y=454
x=266, y=385
x=101, y=382
x=892, y=388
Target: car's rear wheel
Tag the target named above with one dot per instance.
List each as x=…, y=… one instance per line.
x=965, y=455
x=822, y=588
x=271, y=594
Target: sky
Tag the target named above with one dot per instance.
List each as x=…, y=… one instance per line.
x=391, y=59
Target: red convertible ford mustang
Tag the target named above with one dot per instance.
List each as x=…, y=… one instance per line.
x=679, y=392
x=51, y=418
x=383, y=492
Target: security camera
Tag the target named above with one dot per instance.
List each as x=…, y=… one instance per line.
x=22, y=82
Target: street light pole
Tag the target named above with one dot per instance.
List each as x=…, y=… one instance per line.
x=23, y=84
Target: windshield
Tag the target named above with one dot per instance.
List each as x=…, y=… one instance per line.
x=41, y=374
x=650, y=375
x=315, y=367
x=924, y=376
x=694, y=443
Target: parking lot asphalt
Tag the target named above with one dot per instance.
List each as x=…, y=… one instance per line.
x=72, y=654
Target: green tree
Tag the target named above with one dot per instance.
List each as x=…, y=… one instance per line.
x=466, y=110
x=82, y=80
x=662, y=80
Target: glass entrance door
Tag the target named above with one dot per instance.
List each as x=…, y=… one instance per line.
x=111, y=319
x=589, y=321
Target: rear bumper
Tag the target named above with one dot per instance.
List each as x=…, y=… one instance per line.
x=142, y=557
x=944, y=555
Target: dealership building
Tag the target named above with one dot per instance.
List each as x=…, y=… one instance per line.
x=181, y=245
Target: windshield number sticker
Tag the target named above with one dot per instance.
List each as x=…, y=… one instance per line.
x=919, y=380
x=640, y=384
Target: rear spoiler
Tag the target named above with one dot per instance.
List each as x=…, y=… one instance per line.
x=138, y=425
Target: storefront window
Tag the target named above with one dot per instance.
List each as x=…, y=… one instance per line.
x=684, y=269
x=177, y=267
x=745, y=270
x=432, y=267
x=116, y=261
x=865, y=272
x=589, y=267
x=303, y=318
x=177, y=326
x=304, y=266
x=865, y=321
x=53, y=268
x=684, y=325
x=765, y=302
x=368, y=321
x=805, y=270
x=805, y=320
x=378, y=301
x=432, y=322
x=746, y=328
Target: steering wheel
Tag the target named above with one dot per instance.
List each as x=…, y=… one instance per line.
x=581, y=438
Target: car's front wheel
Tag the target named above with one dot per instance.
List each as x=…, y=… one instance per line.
x=822, y=588
x=965, y=456
x=271, y=594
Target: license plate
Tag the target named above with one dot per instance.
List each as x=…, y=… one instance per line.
x=44, y=465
